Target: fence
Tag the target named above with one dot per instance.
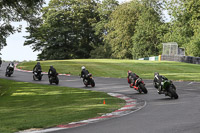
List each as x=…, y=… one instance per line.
x=186, y=59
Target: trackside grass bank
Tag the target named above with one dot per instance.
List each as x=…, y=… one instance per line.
x=118, y=68
x=26, y=105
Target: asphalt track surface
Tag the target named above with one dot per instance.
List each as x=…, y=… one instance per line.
x=160, y=115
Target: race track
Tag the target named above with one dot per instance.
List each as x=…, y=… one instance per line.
x=160, y=115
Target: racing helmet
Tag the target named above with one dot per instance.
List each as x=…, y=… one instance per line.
x=82, y=67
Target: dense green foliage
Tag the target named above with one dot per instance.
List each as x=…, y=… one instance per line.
x=118, y=68
x=70, y=29
x=185, y=25
x=94, y=29
x=15, y=11
x=66, y=30
x=26, y=105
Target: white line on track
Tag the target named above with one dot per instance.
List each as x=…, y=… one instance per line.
x=174, y=103
x=190, y=83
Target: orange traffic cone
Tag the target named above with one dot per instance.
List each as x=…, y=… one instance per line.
x=104, y=102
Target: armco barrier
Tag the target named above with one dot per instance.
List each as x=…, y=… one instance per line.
x=186, y=59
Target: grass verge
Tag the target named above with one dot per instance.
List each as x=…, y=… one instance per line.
x=118, y=68
x=25, y=105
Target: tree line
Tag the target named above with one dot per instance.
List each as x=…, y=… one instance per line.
x=69, y=29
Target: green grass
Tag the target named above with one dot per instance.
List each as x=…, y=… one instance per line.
x=118, y=68
x=25, y=105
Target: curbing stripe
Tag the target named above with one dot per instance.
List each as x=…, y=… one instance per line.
x=130, y=107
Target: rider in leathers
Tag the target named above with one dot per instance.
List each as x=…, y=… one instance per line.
x=158, y=81
x=84, y=73
x=52, y=72
x=10, y=67
x=37, y=67
x=132, y=77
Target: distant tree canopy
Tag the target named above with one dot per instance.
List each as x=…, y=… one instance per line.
x=134, y=29
x=67, y=30
x=185, y=25
x=71, y=29
x=15, y=11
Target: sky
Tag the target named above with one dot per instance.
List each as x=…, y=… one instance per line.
x=16, y=51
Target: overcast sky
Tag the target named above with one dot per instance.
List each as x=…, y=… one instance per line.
x=15, y=49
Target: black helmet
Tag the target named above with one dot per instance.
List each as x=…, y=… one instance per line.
x=38, y=63
x=51, y=66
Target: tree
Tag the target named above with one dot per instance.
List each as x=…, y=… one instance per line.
x=148, y=30
x=15, y=11
x=185, y=24
x=102, y=50
x=134, y=29
x=66, y=30
x=121, y=28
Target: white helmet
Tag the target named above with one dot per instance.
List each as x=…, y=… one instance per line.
x=82, y=67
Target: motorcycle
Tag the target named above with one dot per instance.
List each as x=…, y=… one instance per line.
x=9, y=71
x=53, y=79
x=139, y=86
x=89, y=80
x=37, y=75
x=168, y=88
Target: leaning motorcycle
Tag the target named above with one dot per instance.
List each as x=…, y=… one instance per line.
x=89, y=80
x=168, y=88
x=37, y=75
x=53, y=79
x=139, y=86
x=9, y=71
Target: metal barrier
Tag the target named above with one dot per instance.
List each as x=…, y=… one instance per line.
x=186, y=59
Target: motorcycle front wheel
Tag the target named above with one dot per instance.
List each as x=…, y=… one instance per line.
x=143, y=88
x=173, y=93
x=34, y=77
x=50, y=80
x=40, y=78
x=57, y=80
x=92, y=83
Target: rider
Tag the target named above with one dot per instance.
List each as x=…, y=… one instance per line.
x=84, y=73
x=37, y=67
x=10, y=66
x=132, y=77
x=158, y=81
x=52, y=72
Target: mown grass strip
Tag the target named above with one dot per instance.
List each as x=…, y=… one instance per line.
x=25, y=105
x=118, y=68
